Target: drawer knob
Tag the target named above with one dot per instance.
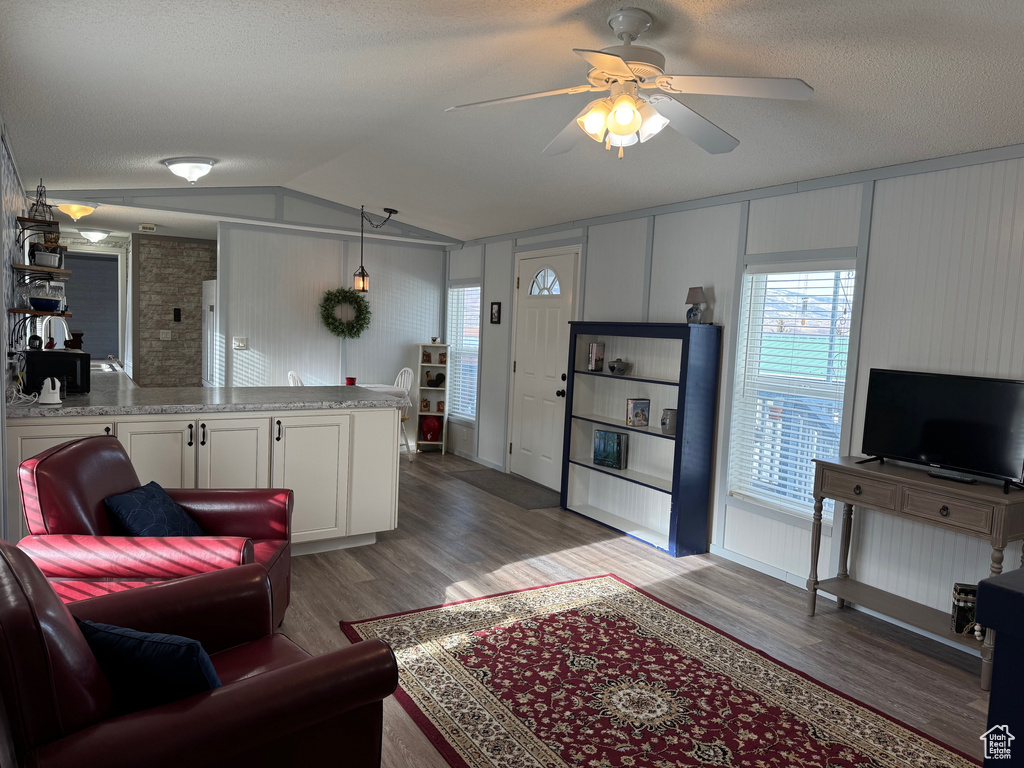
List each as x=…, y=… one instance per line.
x=944, y=510
x=857, y=491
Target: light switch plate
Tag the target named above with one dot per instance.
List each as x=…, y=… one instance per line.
x=165, y=335
x=239, y=342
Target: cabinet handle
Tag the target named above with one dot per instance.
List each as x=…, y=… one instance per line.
x=944, y=510
x=278, y=438
x=202, y=435
x=190, y=441
x=857, y=490
x=107, y=430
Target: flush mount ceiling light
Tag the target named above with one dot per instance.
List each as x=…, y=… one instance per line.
x=189, y=168
x=94, y=235
x=361, y=278
x=76, y=210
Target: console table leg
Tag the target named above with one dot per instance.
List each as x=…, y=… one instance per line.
x=844, y=547
x=988, y=649
x=812, y=579
x=996, y=566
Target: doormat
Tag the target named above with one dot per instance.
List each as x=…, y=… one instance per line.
x=595, y=672
x=513, y=489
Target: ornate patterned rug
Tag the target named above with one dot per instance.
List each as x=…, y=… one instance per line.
x=597, y=674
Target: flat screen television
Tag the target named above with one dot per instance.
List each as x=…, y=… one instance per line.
x=965, y=424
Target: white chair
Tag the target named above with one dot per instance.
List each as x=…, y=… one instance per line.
x=404, y=381
x=294, y=380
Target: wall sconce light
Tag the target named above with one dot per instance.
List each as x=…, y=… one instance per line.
x=94, y=235
x=361, y=278
x=189, y=168
x=76, y=210
x=698, y=299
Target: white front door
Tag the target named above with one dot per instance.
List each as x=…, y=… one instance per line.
x=545, y=285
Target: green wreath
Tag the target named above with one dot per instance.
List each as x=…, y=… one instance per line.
x=350, y=329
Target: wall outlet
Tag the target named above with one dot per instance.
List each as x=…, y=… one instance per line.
x=165, y=335
x=239, y=342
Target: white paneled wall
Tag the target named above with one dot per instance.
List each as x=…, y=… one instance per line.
x=492, y=424
x=465, y=264
x=269, y=291
x=823, y=218
x=775, y=544
x=944, y=293
x=616, y=266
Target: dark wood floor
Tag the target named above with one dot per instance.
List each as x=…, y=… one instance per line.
x=455, y=541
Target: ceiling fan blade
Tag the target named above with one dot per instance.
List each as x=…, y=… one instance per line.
x=568, y=137
x=697, y=129
x=526, y=96
x=751, y=87
x=607, y=62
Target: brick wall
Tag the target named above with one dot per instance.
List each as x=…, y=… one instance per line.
x=170, y=272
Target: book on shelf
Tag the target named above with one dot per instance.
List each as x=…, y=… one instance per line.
x=595, y=360
x=638, y=411
x=610, y=449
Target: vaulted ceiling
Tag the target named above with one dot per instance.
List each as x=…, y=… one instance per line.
x=346, y=101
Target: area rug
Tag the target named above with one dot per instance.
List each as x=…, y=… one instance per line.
x=597, y=674
x=514, y=489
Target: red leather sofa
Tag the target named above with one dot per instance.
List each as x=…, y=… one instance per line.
x=277, y=707
x=75, y=544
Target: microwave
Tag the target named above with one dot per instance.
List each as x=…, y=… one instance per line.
x=69, y=367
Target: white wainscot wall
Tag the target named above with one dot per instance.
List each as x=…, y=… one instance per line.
x=616, y=271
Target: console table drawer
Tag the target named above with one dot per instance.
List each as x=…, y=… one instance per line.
x=854, y=490
x=965, y=515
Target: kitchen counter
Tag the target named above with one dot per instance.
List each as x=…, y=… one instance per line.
x=117, y=396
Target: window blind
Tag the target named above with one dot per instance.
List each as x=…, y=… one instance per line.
x=464, y=353
x=791, y=356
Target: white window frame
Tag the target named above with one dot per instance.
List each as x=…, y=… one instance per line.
x=455, y=351
x=843, y=258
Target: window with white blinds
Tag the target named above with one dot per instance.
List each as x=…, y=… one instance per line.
x=464, y=354
x=787, y=408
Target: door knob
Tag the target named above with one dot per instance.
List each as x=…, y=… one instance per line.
x=560, y=393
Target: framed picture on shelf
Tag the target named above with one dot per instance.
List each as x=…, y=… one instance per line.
x=440, y=406
x=442, y=358
x=427, y=358
x=425, y=405
x=638, y=412
x=610, y=449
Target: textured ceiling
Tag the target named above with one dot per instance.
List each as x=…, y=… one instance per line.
x=345, y=101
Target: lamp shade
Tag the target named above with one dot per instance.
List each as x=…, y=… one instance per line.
x=361, y=280
x=189, y=168
x=94, y=235
x=595, y=120
x=622, y=141
x=696, y=295
x=76, y=210
x=653, y=122
x=624, y=118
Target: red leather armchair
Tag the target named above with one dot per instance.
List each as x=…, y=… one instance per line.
x=75, y=544
x=277, y=707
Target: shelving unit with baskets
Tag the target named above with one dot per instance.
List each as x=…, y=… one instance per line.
x=662, y=494
x=29, y=274
x=432, y=401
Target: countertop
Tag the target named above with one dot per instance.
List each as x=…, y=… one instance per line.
x=118, y=396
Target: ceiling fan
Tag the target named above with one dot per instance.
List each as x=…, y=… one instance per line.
x=624, y=118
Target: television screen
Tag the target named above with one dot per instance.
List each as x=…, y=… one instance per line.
x=962, y=423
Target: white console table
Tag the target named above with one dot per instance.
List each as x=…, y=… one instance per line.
x=981, y=510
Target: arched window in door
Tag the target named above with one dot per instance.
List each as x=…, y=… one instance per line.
x=545, y=283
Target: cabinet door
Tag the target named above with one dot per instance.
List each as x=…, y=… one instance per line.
x=373, y=502
x=24, y=443
x=234, y=453
x=161, y=450
x=310, y=455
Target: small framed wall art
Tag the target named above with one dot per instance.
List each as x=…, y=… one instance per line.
x=495, y=313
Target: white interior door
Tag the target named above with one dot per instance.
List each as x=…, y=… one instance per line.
x=545, y=286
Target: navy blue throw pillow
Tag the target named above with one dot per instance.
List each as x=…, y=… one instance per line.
x=146, y=670
x=149, y=511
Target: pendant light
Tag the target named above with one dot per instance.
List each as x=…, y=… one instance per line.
x=76, y=210
x=361, y=278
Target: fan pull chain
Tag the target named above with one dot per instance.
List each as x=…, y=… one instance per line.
x=608, y=144
x=620, y=153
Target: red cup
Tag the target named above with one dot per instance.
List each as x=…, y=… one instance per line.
x=350, y=381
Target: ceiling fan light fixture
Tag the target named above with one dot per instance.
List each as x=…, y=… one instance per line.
x=594, y=122
x=629, y=140
x=653, y=121
x=189, y=168
x=94, y=235
x=76, y=210
x=625, y=118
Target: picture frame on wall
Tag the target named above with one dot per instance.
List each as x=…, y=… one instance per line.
x=495, y=313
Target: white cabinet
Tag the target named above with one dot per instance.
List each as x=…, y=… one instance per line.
x=181, y=452
x=24, y=442
x=373, y=488
x=310, y=456
x=432, y=400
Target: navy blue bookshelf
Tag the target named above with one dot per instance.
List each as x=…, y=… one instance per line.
x=696, y=400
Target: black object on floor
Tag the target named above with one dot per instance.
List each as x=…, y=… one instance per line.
x=516, y=490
